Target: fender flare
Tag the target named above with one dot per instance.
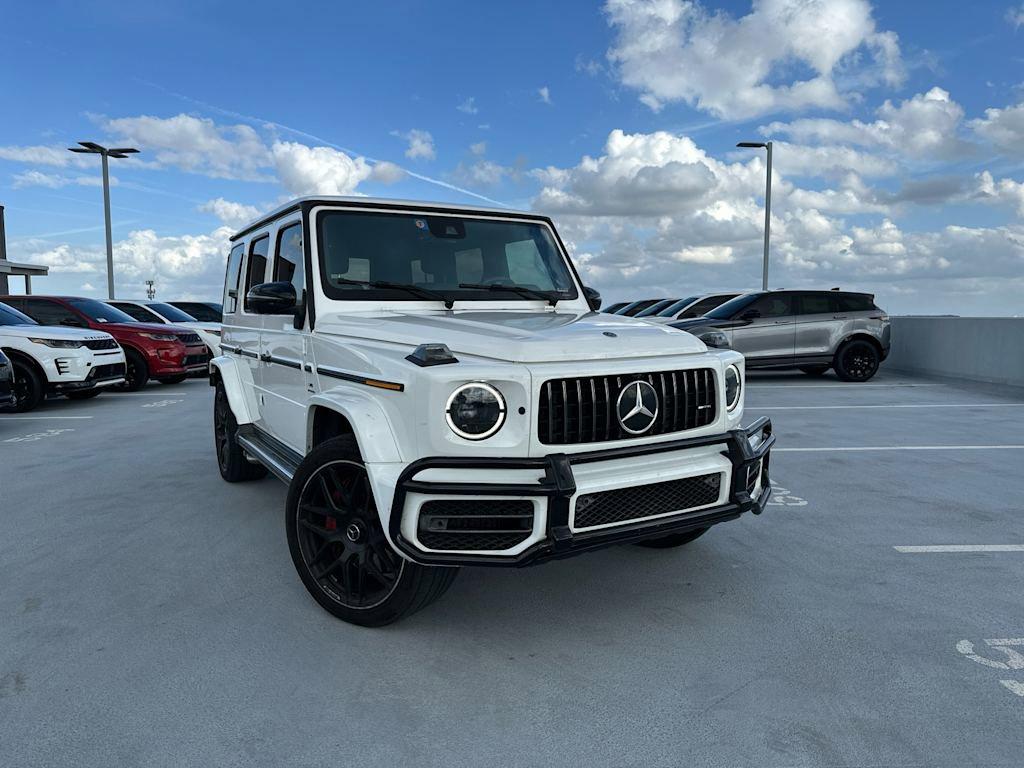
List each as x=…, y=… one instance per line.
x=371, y=426
x=227, y=370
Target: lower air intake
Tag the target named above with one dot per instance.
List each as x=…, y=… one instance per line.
x=625, y=504
x=463, y=524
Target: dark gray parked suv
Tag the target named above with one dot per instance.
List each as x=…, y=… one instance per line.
x=809, y=330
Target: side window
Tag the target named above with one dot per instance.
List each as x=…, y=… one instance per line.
x=289, y=260
x=50, y=313
x=701, y=307
x=814, y=303
x=256, y=271
x=853, y=302
x=231, y=278
x=773, y=305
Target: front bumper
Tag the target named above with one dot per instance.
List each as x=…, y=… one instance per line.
x=558, y=487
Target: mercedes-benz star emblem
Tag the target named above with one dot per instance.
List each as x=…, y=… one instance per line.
x=637, y=407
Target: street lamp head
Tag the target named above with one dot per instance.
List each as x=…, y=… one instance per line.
x=122, y=152
x=752, y=144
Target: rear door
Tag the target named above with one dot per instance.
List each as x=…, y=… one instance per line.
x=766, y=339
x=284, y=380
x=819, y=324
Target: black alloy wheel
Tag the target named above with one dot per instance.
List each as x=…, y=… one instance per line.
x=136, y=374
x=27, y=387
x=231, y=460
x=339, y=547
x=857, y=360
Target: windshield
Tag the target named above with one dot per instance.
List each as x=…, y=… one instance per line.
x=654, y=308
x=100, y=312
x=731, y=307
x=438, y=253
x=11, y=316
x=204, y=313
x=677, y=306
x=173, y=314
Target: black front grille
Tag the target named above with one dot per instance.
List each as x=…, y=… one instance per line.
x=101, y=344
x=475, y=524
x=107, y=371
x=190, y=360
x=624, y=504
x=189, y=339
x=584, y=410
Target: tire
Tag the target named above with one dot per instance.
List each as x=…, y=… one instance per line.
x=136, y=372
x=231, y=461
x=331, y=518
x=174, y=379
x=857, y=360
x=28, y=387
x=673, y=540
x=814, y=370
x=87, y=394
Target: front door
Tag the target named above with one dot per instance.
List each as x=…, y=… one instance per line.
x=767, y=335
x=285, y=381
x=818, y=323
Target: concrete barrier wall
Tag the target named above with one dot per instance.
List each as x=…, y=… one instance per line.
x=988, y=349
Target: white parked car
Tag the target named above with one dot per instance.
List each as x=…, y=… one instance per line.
x=146, y=311
x=437, y=388
x=49, y=359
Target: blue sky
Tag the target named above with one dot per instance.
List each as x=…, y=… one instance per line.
x=899, y=131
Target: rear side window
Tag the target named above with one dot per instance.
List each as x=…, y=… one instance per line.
x=853, y=302
x=288, y=263
x=814, y=303
x=256, y=271
x=50, y=313
x=231, y=278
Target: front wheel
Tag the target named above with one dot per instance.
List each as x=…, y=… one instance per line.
x=673, y=540
x=857, y=360
x=339, y=547
x=136, y=372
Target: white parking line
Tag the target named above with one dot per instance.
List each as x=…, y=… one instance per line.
x=963, y=548
x=33, y=418
x=846, y=407
x=901, y=448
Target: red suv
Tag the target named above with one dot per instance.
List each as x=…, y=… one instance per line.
x=166, y=353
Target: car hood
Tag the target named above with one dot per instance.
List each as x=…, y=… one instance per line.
x=527, y=337
x=52, y=332
x=199, y=325
x=142, y=328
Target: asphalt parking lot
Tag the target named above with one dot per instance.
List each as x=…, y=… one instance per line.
x=150, y=614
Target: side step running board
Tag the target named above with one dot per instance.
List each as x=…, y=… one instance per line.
x=271, y=453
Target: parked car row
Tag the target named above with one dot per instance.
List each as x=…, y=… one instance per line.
x=809, y=330
x=78, y=347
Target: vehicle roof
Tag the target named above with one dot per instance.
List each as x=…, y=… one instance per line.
x=374, y=202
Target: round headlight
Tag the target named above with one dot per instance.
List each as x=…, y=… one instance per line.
x=733, y=387
x=475, y=411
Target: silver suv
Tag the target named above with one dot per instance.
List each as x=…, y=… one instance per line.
x=809, y=330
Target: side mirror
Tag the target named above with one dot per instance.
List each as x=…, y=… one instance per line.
x=750, y=314
x=593, y=298
x=271, y=298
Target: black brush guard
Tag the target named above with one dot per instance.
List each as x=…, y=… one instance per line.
x=558, y=486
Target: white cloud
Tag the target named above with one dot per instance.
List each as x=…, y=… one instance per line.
x=421, y=144
x=545, y=94
x=479, y=148
x=196, y=145
x=482, y=173
x=468, y=106
x=87, y=287
x=1001, y=192
x=1003, y=127
x=307, y=170
x=230, y=213
x=58, y=156
x=1015, y=17
x=34, y=178
x=678, y=51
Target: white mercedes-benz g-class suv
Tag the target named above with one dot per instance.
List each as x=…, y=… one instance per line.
x=437, y=388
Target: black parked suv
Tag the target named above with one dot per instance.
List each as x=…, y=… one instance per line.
x=809, y=330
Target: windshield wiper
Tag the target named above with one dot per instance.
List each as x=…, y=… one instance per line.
x=551, y=297
x=415, y=290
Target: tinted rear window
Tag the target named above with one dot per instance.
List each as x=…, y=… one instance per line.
x=854, y=302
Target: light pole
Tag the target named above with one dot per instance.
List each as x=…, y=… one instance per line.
x=767, y=203
x=92, y=148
